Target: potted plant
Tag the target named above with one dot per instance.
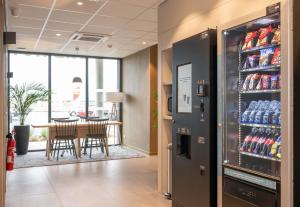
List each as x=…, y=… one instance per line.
x=22, y=98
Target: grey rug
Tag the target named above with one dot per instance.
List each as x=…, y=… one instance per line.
x=36, y=159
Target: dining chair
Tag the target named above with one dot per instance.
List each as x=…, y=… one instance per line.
x=97, y=135
x=52, y=143
x=65, y=134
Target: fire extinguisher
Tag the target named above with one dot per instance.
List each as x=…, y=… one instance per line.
x=10, y=152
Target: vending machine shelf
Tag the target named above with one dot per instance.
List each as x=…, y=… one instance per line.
x=260, y=156
x=256, y=49
x=269, y=68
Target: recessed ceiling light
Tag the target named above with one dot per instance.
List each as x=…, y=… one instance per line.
x=58, y=34
x=79, y=3
x=144, y=43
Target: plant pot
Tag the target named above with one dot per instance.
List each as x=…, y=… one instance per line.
x=22, y=139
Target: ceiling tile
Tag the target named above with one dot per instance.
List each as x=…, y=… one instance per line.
x=129, y=34
x=120, y=9
x=52, y=34
x=143, y=3
x=25, y=22
x=33, y=12
x=63, y=26
x=149, y=15
x=71, y=5
x=51, y=46
x=150, y=36
x=25, y=31
x=37, y=3
x=108, y=21
x=53, y=39
x=68, y=16
x=99, y=30
x=142, y=25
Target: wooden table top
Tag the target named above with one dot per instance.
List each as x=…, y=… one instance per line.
x=79, y=124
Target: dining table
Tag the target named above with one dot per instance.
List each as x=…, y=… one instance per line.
x=82, y=131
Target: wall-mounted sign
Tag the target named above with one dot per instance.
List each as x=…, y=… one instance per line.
x=184, y=87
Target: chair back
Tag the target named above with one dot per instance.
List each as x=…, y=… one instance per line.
x=66, y=129
x=97, y=127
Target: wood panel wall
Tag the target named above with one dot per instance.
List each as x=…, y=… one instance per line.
x=139, y=110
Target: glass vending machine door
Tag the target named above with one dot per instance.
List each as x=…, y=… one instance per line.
x=252, y=131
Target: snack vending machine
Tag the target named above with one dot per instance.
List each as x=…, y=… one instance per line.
x=252, y=119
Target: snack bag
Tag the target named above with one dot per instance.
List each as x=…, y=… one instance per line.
x=253, y=144
x=252, y=116
x=259, y=84
x=258, y=117
x=264, y=36
x=259, y=145
x=276, y=37
x=275, y=117
x=279, y=152
x=267, y=117
x=246, y=82
x=246, y=143
x=276, y=60
x=274, y=82
x=251, y=61
x=249, y=40
x=265, y=82
x=245, y=116
x=266, y=57
x=279, y=81
x=253, y=81
x=275, y=147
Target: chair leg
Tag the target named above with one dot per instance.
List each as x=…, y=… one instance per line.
x=85, y=145
x=91, y=147
x=106, y=146
x=74, y=149
x=58, y=149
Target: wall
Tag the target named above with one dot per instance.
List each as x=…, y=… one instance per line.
x=179, y=19
x=139, y=78
x=3, y=105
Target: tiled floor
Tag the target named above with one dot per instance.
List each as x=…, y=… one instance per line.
x=116, y=183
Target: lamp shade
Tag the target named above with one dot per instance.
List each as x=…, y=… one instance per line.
x=114, y=97
x=77, y=80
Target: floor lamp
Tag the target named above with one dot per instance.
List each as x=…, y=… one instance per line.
x=114, y=98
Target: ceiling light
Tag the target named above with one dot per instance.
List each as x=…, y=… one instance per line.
x=144, y=43
x=58, y=34
x=79, y=3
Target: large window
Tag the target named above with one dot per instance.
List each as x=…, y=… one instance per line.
x=103, y=77
x=68, y=81
x=77, y=84
x=27, y=69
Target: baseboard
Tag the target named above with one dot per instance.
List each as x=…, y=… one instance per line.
x=139, y=149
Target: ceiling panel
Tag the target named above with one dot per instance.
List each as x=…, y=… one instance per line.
x=121, y=9
x=129, y=34
x=142, y=25
x=129, y=22
x=99, y=30
x=68, y=16
x=108, y=21
x=143, y=3
x=25, y=22
x=63, y=26
x=38, y=3
x=53, y=34
x=33, y=12
x=149, y=15
x=87, y=7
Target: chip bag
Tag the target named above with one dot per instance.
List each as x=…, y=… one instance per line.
x=276, y=60
x=276, y=37
x=265, y=35
x=266, y=57
x=250, y=40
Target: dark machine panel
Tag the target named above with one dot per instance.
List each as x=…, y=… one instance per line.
x=194, y=92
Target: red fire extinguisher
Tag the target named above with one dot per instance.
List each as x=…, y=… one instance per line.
x=10, y=152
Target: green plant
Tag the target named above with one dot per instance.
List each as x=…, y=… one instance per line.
x=25, y=95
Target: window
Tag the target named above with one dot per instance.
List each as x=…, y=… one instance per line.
x=68, y=81
x=29, y=68
x=103, y=77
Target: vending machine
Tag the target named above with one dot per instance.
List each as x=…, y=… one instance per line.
x=252, y=112
x=194, y=131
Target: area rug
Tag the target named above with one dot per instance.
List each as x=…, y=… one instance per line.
x=37, y=159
